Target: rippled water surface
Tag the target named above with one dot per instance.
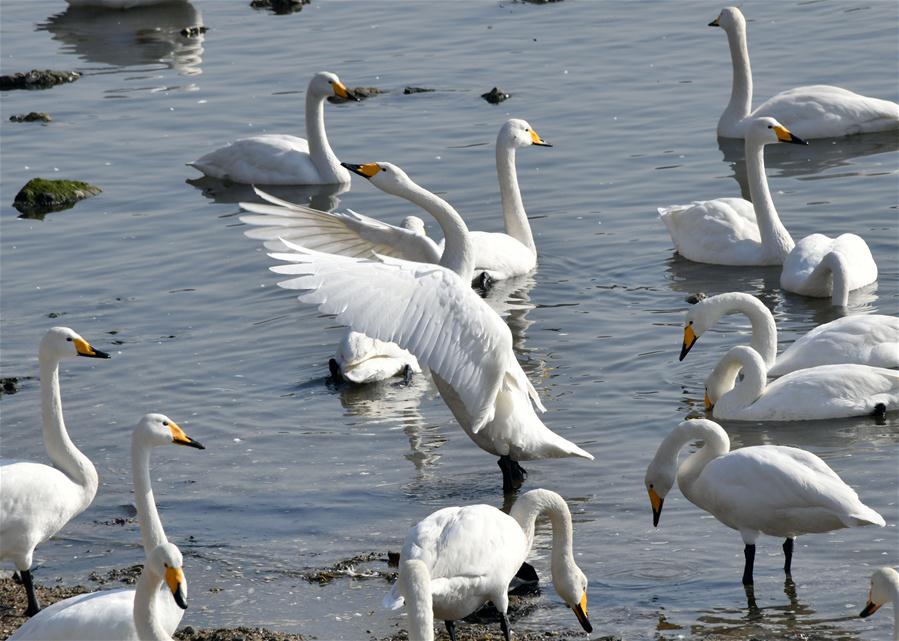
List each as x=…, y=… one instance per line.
x=298, y=475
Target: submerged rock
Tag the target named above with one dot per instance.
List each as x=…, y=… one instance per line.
x=37, y=79
x=9, y=385
x=31, y=116
x=41, y=196
x=409, y=90
x=495, y=96
x=360, y=92
x=280, y=7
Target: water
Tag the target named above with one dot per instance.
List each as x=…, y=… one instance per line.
x=298, y=475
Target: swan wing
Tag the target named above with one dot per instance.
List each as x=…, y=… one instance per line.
x=271, y=159
x=101, y=616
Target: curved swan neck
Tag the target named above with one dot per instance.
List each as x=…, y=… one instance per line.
x=740, y=103
x=152, y=533
x=146, y=613
x=839, y=274
x=320, y=151
x=458, y=253
x=716, y=443
x=514, y=215
x=748, y=390
x=62, y=451
x=776, y=240
x=415, y=586
x=542, y=502
x=764, y=330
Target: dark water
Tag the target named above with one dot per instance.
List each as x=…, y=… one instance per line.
x=298, y=475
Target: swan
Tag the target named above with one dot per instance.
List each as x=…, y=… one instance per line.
x=884, y=588
x=817, y=111
x=465, y=556
x=38, y=500
x=762, y=489
x=279, y=159
x=432, y=311
x=863, y=339
x=733, y=231
x=823, y=267
x=825, y=391
x=92, y=615
x=498, y=255
x=78, y=618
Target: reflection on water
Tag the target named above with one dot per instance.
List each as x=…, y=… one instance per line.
x=139, y=36
x=321, y=197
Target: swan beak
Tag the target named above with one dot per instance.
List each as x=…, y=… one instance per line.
x=174, y=577
x=784, y=135
x=580, y=611
x=84, y=349
x=341, y=91
x=366, y=171
x=180, y=438
x=537, y=140
x=715, y=22
x=708, y=402
x=690, y=339
x=656, y=502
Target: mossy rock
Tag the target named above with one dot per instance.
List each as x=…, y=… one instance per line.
x=31, y=116
x=361, y=93
x=41, y=196
x=37, y=79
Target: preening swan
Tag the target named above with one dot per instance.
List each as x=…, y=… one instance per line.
x=459, y=558
x=817, y=111
x=79, y=618
x=432, y=311
x=763, y=489
x=360, y=359
x=279, y=159
x=824, y=267
x=863, y=339
x=38, y=500
x=90, y=616
x=884, y=589
x=733, y=231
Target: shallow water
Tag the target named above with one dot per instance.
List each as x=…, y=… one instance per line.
x=299, y=475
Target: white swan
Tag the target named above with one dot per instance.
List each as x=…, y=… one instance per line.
x=432, y=311
x=763, y=489
x=279, y=159
x=884, y=589
x=825, y=391
x=78, y=618
x=38, y=500
x=498, y=255
x=469, y=555
x=824, y=267
x=863, y=339
x=733, y=231
x=95, y=615
x=817, y=111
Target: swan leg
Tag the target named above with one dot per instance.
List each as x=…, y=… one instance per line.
x=513, y=474
x=334, y=368
x=880, y=412
x=451, y=629
x=504, y=625
x=788, y=554
x=749, y=554
x=34, y=605
x=407, y=374
x=482, y=282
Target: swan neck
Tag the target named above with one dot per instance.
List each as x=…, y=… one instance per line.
x=764, y=330
x=514, y=214
x=740, y=103
x=747, y=391
x=152, y=533
x=146, y=610
x=840, y=278
x=543, y=503
x=320, y=151
x=716, y=443
x=458, y=253
x=776, y=240
x=415, y=586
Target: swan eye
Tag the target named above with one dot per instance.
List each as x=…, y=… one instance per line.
x=165, y=423
x=691, y=322
x=69, y=339
x=650, y=486
x=770, y=126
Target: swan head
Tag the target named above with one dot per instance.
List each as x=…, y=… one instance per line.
x=325, y=83
x=729, y=19
x=166, y=563
x=414, y=224
x=62, y=342
x=518, y=133
x=724, y=376
x=659, y=479
x=767, y=130
x=571, y=584
x=158, y=429
x=884, y=583
x=385, y=176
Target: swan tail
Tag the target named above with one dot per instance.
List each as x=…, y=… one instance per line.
x=865, y=516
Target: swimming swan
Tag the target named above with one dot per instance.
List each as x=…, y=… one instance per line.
x=462, y=557
x=884, y=589
x=78, y=618
x=90, y=616
x=817, y=111
x=432, y=311
x=823, y=267
x=763, y=489
x=38, y=500
x=863, y=339
x=279, y=159
x=825, y=391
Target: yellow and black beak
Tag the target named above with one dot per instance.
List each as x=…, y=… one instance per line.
x=716, y=22
x=580, y=611
x=174, y=578
x=84, y=349
x=341, y=91
x=784, y=135
x=537, y=140
x=656, y=502
x=690, y=339
x=870, y=608
x=366, y=171
x=180, y=438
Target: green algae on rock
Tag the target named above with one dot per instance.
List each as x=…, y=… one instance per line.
x=41, y=196
x=37, y=79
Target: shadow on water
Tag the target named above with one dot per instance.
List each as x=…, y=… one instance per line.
x=321, y=197
x=140, y=36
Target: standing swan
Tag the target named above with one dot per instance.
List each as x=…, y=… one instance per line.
x=763, y=489
x=114, y=608
x=865, y=339
x=432, y=311
x=884, y=589
x=279, y=159
x=817, y=111
x=161, y=578
x=468, y=556
x=38, y=500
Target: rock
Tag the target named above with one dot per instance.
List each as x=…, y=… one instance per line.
x=9, y=385
x=37, y=79
x=409, y=90
x=41, y=196
x=495, y=96
x=695, y=298
x=360, y=92
x=280, y=7
x=31, y=116
x=193, y=32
